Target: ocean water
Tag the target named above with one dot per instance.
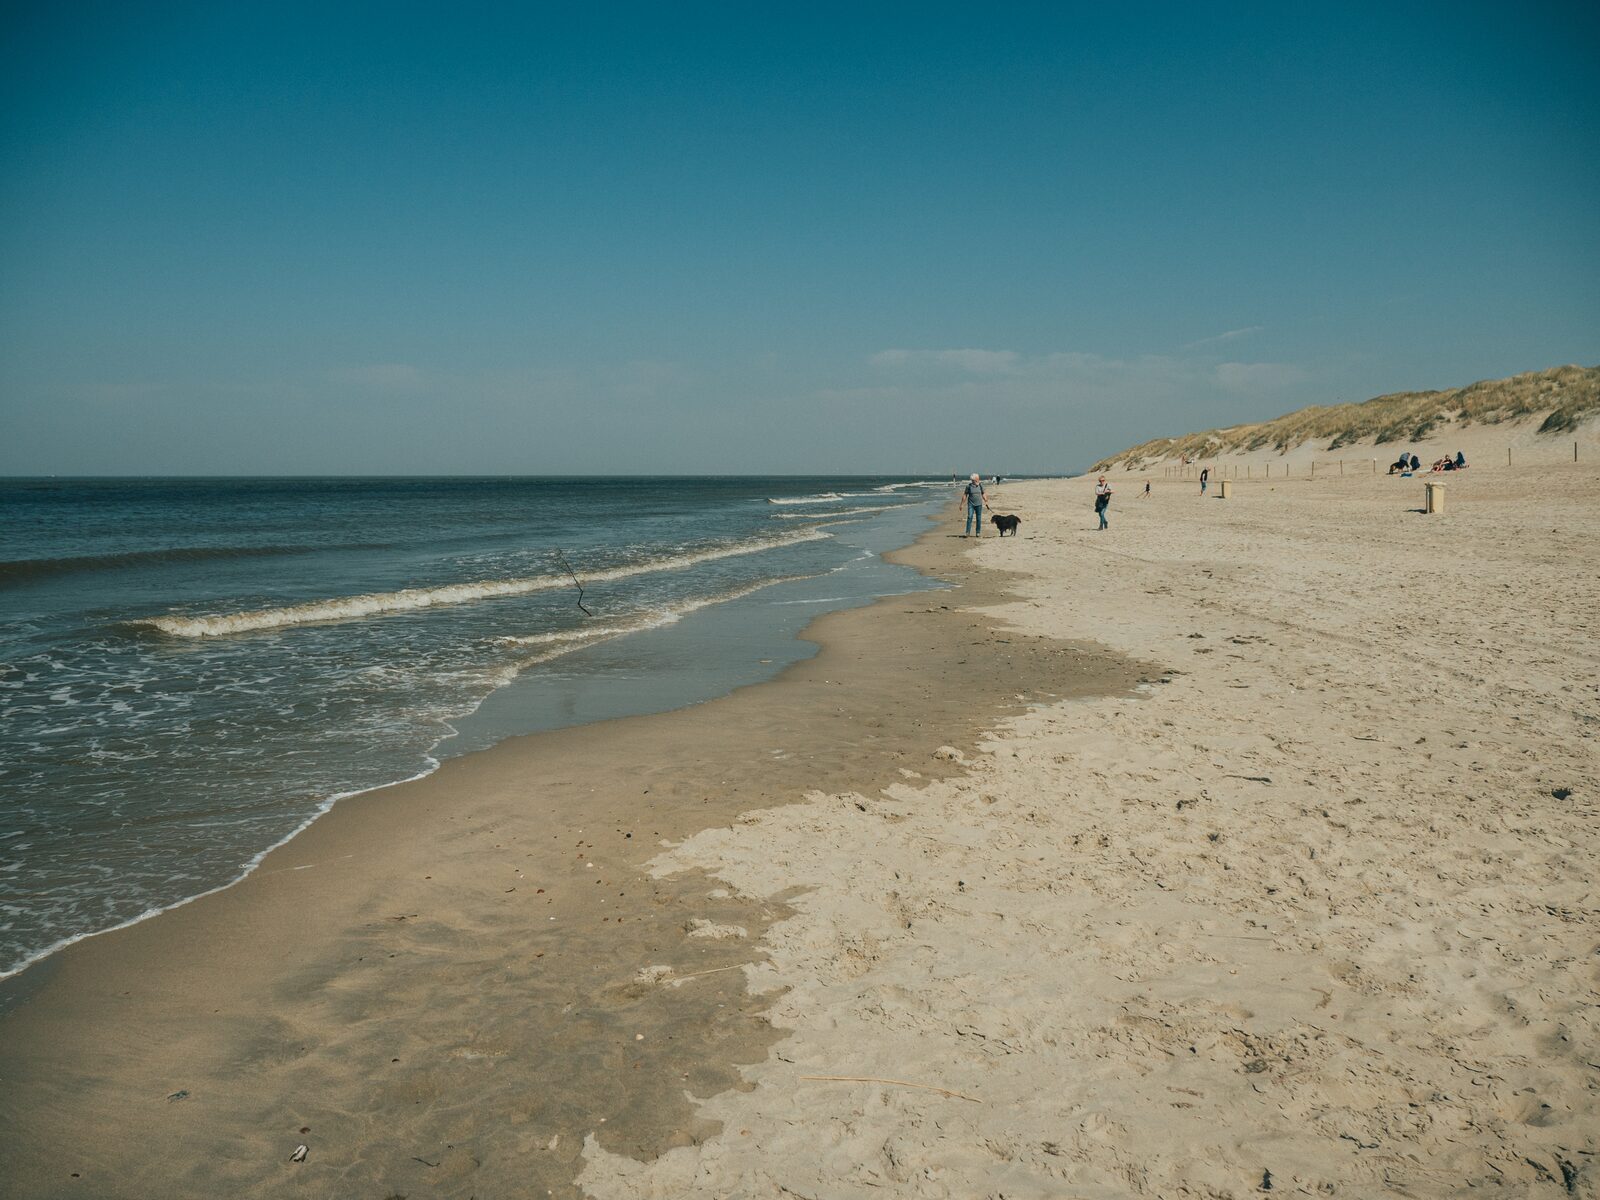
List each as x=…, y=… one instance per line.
x=191, y=670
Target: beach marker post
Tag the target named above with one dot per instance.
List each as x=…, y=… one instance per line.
x=1433, y=497
x=1225, y=489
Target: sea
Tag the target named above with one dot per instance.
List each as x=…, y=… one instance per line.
x=192, y=670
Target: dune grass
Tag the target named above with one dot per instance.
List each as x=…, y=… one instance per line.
x=1565, y=394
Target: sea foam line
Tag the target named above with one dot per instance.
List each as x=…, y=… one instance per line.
x=566, y=641
x=819, y=498
x=379, y=604
x=838, y=512
x=563, y=642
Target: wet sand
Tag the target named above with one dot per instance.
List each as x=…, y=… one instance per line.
x=445, y=987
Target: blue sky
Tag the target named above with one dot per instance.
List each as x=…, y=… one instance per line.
x=356, y=238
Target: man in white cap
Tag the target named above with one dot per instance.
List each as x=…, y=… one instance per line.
x=975, y=503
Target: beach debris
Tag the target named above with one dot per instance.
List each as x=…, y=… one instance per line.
x=181, y=1094
x=949, y=754
x=1266, y=1181
x=560, y=554
x=1561, y=793
x=300, y=1153
x=699, y=927
x=657, y=973
x=924, y=1087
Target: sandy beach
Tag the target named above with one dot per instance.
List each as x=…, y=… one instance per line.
x=447, y=986
x=1248, y=846
x=1314, y=915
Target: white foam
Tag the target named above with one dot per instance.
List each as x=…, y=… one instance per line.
x=841, y=512
x=563, y=641
x=380, y=604
x=566, y=641
x=819, y=498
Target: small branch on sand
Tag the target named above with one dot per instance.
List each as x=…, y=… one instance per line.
x=575, y=583
x=925, y=1087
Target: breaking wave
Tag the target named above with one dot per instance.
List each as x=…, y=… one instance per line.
x=566, y=641
x=838, y=512
x=819, y=498
x=409, y=599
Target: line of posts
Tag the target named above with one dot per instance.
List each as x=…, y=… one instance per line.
x=1231, y=470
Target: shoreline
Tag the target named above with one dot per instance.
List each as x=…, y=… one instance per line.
x=433, y=756
x=66, y=1040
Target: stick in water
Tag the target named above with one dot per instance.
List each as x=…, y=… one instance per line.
x=926, y=1087
x=575, y=583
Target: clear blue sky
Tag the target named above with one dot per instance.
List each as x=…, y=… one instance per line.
x=354, y=238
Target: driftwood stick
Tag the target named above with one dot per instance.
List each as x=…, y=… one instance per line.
x=712, y=971
x=925, y=1087
x=562, y=556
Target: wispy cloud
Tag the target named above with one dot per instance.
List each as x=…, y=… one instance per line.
x=978, y=362
x=1231, y=335
x=917, y=380
x=1258, y=377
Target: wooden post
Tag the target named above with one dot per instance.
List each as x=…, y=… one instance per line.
x=1508, y=454
x=1341, y=468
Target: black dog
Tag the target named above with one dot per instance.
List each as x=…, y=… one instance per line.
x=1004, y=523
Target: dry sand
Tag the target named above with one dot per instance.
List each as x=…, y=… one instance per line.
x=1314, y=916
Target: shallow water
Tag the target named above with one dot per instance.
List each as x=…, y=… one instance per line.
x=192, y=669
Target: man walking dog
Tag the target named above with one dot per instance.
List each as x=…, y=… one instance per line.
x=975, y=503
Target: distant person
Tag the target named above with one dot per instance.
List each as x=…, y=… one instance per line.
x=1205, y=478
x=1102, y=500
x=975, y=502
x=1147, y=489
x=1416, y=463
x=1461, y=460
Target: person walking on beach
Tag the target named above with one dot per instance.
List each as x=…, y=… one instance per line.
x=975, y=502
x=1205, y=478
x=1147, y=489
x=1102, y=500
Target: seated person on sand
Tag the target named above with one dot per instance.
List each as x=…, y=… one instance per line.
x=1438, y=463
x=1461, y=460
